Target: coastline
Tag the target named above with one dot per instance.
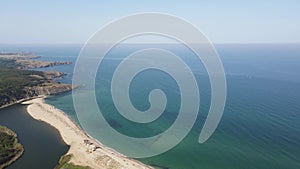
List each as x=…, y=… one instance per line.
x=19, y=101
x=85, y=150
x=18, y=154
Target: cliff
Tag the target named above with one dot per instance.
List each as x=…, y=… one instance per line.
x=25, y=61
x=30, y=64
x=17, y=83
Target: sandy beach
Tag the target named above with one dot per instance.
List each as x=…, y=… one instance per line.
x=85, y=150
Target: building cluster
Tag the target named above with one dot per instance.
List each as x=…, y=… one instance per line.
x=91, y=147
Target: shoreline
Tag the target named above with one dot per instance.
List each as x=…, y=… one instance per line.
x=18, y=155
x=18, y=102
x=85, y=150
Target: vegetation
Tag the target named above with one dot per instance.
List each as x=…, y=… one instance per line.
x=64, y=163
x=24, y=61
x=17, y=84
x=13, y=82
x=10, y=149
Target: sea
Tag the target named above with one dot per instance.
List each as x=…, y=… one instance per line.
x=260, y=126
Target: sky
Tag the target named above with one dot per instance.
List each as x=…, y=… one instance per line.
x=75, y=21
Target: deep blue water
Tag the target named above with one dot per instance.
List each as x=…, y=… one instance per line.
x=260, y=126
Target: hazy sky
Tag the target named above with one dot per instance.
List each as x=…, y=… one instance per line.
x=223, y=21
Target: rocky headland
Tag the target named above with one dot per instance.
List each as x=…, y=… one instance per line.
x=17, y=83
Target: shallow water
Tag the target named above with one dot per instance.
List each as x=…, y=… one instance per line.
x=260, y=126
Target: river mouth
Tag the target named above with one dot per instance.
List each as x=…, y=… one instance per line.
x=43, y=145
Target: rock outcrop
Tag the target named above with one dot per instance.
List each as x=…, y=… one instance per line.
x=17, y=83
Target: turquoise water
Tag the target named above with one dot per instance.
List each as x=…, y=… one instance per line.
x=260, y=127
